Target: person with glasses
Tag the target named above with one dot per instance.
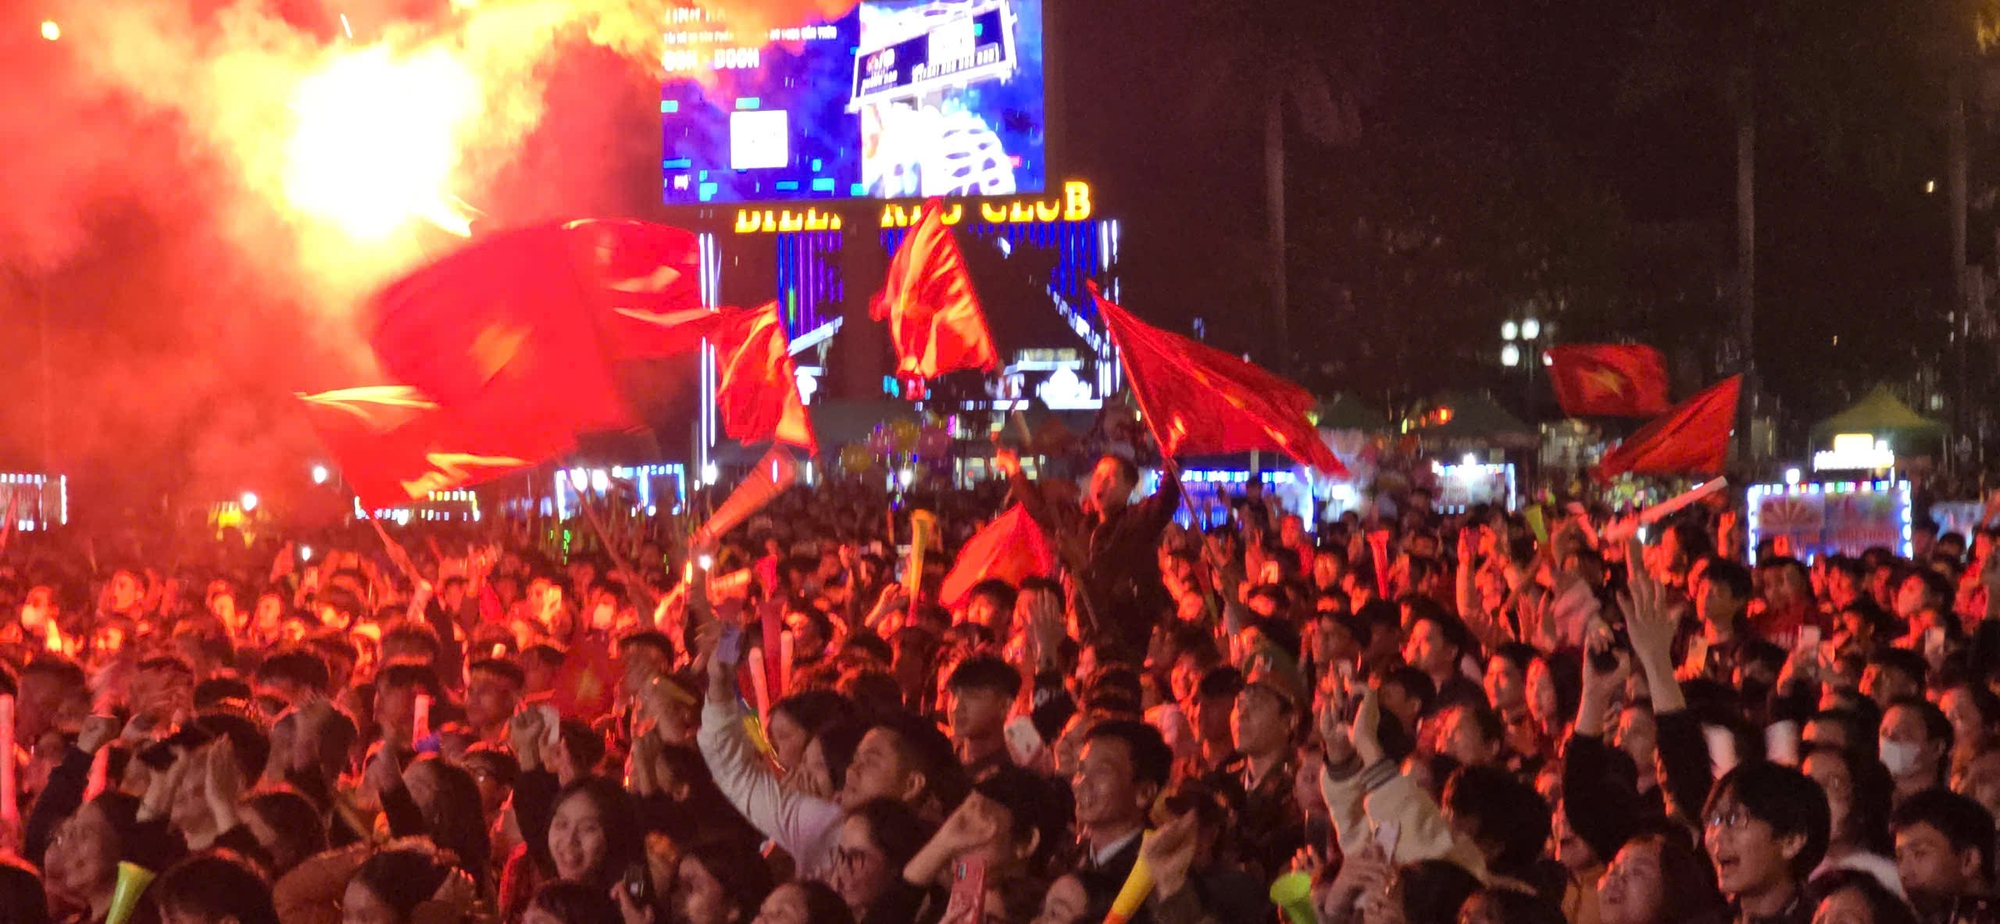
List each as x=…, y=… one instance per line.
x=1765, y=827
x=876, y=841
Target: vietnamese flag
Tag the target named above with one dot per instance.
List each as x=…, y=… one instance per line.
x=645, y=282
x=1197, y=399
x=507, y=322
x=1608, y=379
x=1691, y=439
x=587, y=684
x=1011, y=548
x=394, y=444
x=934, y=316
x=758, y=390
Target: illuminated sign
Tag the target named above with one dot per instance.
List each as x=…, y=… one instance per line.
x=950, y=48
x=1805, y=521
x=1075, y=204
x=1855, y=452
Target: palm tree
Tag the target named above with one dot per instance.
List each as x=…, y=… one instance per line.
x=1314, y=64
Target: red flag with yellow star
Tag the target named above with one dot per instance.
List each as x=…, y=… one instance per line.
x=1691, y=439
x=759, y=390
x=395, y=445
x=934, y=316
x=505, y=328
x=1608, y=379
x=1197, y=399
x=587, y=685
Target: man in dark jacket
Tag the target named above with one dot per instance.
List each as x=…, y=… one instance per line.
x=1111, y=548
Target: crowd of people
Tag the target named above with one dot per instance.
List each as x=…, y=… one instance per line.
x=1408, y=717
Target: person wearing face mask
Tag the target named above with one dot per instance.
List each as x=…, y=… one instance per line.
x=1915, y=739
x=1944, y=851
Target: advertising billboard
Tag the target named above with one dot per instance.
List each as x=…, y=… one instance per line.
x=1806, y=521
x=894, y=99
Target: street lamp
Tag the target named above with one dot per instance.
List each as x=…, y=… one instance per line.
x=1509, y=330
x=1530, y=329
x=1510, y=356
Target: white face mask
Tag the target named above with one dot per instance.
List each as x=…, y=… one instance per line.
x=1899, y=756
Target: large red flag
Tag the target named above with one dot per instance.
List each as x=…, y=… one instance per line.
x=507, y=322
x=758, y=390
x=1691, y=439
x=646, y=281
x=395, y=445
x=1197, y=399
x=1010, y=548
x=934, y=317
x=1608, y=379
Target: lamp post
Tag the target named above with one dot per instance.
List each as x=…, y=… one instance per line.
x=1519, y=347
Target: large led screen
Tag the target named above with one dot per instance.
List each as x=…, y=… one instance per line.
x=895, y=99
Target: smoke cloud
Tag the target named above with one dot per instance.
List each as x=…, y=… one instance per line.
x=185, y=238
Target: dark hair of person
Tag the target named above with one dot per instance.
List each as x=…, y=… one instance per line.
x=501, y=668
x=1000, y=592
x=823, y=904
x=1416, y=685
x=219, y=691
x=657, y=641
x=984, y=671
x=895, y=828
x=1434, y=890
x=1151, y=758
x=456, y=820
x=1900, y=659
x=1504, y=810
x=403, y=676
x=413, y=634
x=585, y=746
x=738, y=867
x=1687, y=880
x=404, y=876
x=1884, y=906
x=1518, y=656
x=1787, y=800
x=548, y=656
x=1962, y=821
x=1731, y=575
x=1037, y=805
x=1220, y=683
x=575, y=903
x=1874, y=792
x=1936, y=585
x=624, y=839
x=868, y=643
x=924, y=746
x=1936, y=726
x=300, y=827
x=837, y=742
x=212, y=886
x=812, y=710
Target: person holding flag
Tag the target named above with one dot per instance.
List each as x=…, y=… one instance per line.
x=1110, y=546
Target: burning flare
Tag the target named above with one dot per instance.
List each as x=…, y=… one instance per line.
x=378, y=139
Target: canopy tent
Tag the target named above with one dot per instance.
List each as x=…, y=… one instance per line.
x=1346, y=412
x=1885, y=416
x=1474, y=418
